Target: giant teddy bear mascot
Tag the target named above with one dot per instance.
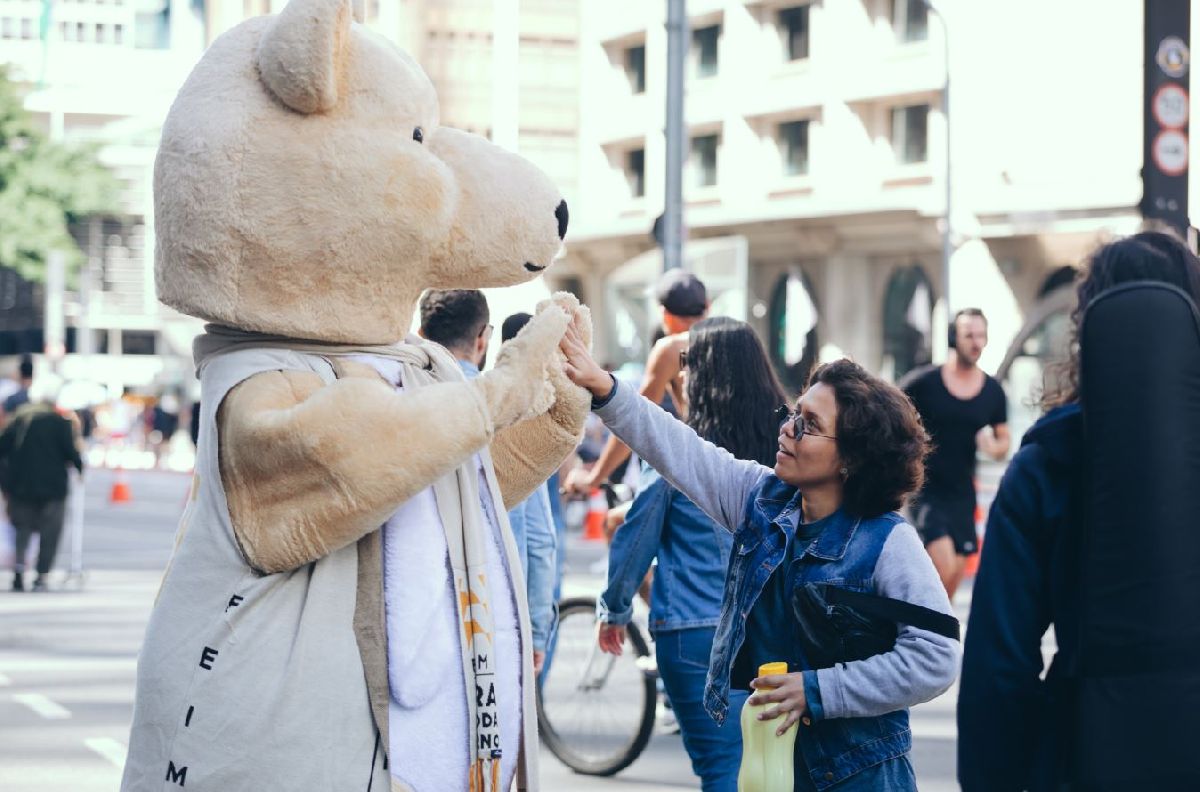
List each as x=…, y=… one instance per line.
x=340, y=610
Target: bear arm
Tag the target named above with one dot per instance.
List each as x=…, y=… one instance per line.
x=309, y=468
x=527, y=453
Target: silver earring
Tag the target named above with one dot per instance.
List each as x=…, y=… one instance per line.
x=845, y=472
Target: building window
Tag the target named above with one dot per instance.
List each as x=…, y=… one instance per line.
x=792, y=330
x=101, y=34
x=910, y=128
x=793, y=26
x=26, y=28
x=907, y=322
x=704, y=45
x=703, y=161
x=793, y=147
x=80, y=31
x=8, y=27
x=635, y=172
x=137, y=342
x=118, y=34
x=910, y=19
x=63, y=31
x=635, y=68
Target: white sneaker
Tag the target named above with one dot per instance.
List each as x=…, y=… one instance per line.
x=665, y=721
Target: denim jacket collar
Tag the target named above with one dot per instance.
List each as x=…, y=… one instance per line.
x=832, y=542
x=829, y=545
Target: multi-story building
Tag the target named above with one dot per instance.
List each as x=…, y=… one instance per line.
x=104, y=72
x=814, y=184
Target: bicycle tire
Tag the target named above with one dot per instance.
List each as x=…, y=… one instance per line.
x=618, y=761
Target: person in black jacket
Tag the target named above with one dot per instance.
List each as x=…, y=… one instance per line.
x=36, y=447
x=1016, y=730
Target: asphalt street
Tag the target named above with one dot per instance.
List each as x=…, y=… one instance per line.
x=68, y=659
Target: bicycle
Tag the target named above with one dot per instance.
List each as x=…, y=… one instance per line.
x=595, y=711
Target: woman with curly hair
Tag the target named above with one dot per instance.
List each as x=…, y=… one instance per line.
x=848, y=455
x=733, y=398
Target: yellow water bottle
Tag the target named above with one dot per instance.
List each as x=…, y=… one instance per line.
x=767, y=759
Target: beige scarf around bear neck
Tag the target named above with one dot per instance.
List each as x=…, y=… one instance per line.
x=458, y=503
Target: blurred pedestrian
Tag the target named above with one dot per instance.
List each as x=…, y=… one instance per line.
x=21, y=396
x=733, y=397
x=823, y=520
x=36, y=447
x=1021, y=727
x=684, y=302
x=964, y=410
x=535, y=531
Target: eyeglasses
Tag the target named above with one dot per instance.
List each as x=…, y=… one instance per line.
x=800, y=426
x=486, y=332
x=682, y=359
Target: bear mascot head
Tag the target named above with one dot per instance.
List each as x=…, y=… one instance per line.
x=304, y=187
x=341, y=609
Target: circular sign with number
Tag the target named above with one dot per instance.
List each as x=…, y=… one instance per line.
x=1172, y=56
x=1170, y=151
x=1170, y=106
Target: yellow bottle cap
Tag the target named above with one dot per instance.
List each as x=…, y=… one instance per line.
x=772, y=669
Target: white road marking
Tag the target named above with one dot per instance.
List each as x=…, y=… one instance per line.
x=110, y=749
x=42, y=706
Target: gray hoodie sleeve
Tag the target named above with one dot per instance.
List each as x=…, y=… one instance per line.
x=708, y=475
x=921, y=666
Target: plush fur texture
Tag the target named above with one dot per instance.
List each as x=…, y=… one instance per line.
x=292, y=198
x=309, y=468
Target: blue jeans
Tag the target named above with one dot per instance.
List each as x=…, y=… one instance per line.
x=716, y=751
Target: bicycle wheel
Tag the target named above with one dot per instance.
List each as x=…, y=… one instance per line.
x=595, y=711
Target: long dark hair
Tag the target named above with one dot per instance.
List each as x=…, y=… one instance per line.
x=733, y=395
x=1148, y=256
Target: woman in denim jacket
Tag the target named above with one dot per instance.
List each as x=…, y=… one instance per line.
x=732, y=395
x=847, y=458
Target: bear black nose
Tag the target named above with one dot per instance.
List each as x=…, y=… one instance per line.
x=561, y=214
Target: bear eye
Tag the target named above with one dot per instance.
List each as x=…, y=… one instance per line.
x=419, y=135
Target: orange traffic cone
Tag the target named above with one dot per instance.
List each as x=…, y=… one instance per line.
x=120, y=492
x=593, y=524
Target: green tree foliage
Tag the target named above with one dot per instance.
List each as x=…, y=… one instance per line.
x=44, y=186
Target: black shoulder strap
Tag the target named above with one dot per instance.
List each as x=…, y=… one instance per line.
x=895, y=610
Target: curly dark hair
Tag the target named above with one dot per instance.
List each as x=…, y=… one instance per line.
x=733, y=395
x=1148, y=256
x=880, y=439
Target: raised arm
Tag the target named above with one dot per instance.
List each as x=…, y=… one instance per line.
x=527, y=453
x=661, y=368
x=708, y=475
x=309, y=468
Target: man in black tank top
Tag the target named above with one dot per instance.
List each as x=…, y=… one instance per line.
x=963, y=409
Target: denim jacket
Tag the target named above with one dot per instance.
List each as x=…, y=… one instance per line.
x=858, y=711
x=692, y=552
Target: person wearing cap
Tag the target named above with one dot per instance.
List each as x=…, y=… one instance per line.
x=684, y=301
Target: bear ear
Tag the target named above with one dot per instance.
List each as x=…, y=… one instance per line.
x=302, y=54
